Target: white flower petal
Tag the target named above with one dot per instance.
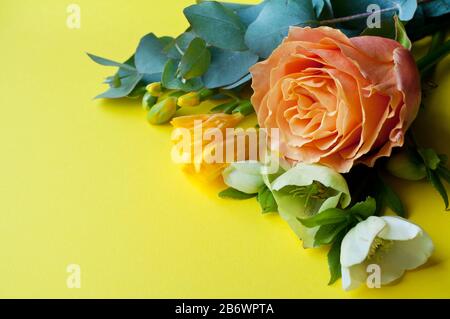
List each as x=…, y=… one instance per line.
x=306, y=174
x=404, y=255
x=399, y=229
x=330, y=202
x=244, y=176
x=356, y=244
x=353, y=277
x=248, y=167
x=290, y=208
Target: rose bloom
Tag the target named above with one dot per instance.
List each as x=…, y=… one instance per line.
x=336, y=100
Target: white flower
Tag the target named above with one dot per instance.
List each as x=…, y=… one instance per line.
x=393, y=243
x=305, y=190
x=244, y=176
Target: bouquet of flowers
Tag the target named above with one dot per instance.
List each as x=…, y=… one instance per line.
x=305, y=105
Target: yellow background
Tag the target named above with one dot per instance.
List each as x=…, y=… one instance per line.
x=91, y=183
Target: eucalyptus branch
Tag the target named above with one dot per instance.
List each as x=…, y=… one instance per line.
x=356, y=16
x=363, y=15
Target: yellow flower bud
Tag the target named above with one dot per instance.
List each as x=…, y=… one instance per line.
x=148, y=101
x=189, y=99
x=154, y=89
x=163, y=111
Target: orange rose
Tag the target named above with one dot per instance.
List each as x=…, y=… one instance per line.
x=337, y=101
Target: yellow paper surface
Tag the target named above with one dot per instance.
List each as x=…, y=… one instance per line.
x=91, y=183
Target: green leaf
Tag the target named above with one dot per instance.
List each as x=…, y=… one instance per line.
x=176, y=48
x=328, y=233
x=228, y=67
x=170, y=80
x=444, y=172
x=107, y=62
x=235, y=194
x=352, y=15
x=249, y=14
x=128, y=83
x=334, y=258
x=391, y=199
x=242, y=81
x=229, y=5
x=150, y=57
x=327, y=217
x=267, y=201
x=273, y=23
x=245, y=108
x=323, y=9
x=437, y=184
x=430, y=158
x=433, y=57
x=226, y=108
x=364, y=209
x=436, y=8
x=400, y=33
x=217, y=25
x=195, y=60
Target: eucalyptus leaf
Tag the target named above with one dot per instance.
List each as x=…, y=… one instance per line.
x=195, y=60
x=323, y=9
x=107, y=62
x=176, y=48
x=150, y=57
x=228, y=67
x=150, y=78
x=128, y=83
x=229, y=5
x=273, y=23
x=242, y=81
x=170, y=80
x=249, y=14
x=435, y=8
x=217, y=25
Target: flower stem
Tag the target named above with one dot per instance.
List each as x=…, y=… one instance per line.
x=436, y=42
x=433, y=57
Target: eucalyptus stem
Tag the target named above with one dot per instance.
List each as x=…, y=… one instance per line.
x=433, y=57
x=356, y=16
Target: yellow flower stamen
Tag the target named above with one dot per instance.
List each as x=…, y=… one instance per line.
x=379, y=245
